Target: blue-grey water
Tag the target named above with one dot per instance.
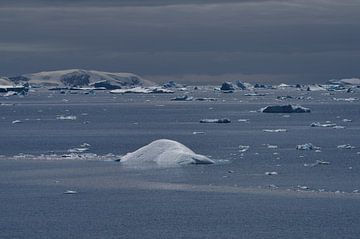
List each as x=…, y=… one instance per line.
x=231, y=199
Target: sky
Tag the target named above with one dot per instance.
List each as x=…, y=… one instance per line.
x=189, y=41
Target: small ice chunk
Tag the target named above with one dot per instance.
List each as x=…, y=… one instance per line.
x=16, y=122
x=83, y=145
x=271, y=173
x=307, y=146
x=183, y=98
x=220, y=121
x=275, y=130
x=269, y=146
x=206, y=99
x=70, y=192
x=243, y=148
x=318, y=162
x=346, y=146
x=63, y=117
x=285, y=109
x=303, y=187
x=198, y=132
x=243, y=120
x=347, y=120
x=351, y=99
x=78, y=150
x=318, y=124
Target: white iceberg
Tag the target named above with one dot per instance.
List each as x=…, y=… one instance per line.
x=164, y=153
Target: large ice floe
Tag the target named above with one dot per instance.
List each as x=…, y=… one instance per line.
x=285, y=109
x=163, y=153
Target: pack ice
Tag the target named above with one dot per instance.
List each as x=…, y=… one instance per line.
x=164, y=153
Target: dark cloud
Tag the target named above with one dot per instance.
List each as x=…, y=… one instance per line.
x=268, y=39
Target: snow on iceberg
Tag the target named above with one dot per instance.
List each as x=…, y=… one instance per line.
x=285, y=109
x=164, y=153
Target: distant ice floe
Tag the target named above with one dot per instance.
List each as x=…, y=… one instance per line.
x=346, y=146
x=16, y=122
x=285, y=109
x=307, y=146
x=66, y=117
x=349, y=81
x=67, y=156
x=327, y=124
x=317, y=163
x=351, y=99
x=164, y=153
x=183, y=98
x=219, y=121
x=142, y=90
x=271, y=173
x=243, y=148
x=274, y=130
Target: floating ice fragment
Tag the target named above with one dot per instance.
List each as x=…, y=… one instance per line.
x=16, y=122
x=271, y=173
x=78, y=150
x=164, y=153
x=285, y=109
x=183, y=98
x=307, y=146
x=243, y=120
x=220, y=121
x=302, y=187
x=198, y=132
x=206, y=99
x=346, y=146
x=351, y=99
x=275, y=130
x=70, y=192
x=318, y=162
x=69, y=117
x=254, y=94
x=269, y=146
x=243, y=148
x=347, y=120
x=318, y=124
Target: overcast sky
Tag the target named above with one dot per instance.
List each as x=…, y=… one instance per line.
x=185, y=40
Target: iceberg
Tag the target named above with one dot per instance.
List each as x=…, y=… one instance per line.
x=285, y=109
x=164, y=153
x=82, y=78
x=227, y=87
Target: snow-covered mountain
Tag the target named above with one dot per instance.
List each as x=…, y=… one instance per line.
x=83, y=78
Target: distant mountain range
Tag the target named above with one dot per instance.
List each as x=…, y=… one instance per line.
x=81, y=78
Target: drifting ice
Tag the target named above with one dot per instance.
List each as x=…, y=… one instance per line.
x=164, y=152
x=285, y=109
